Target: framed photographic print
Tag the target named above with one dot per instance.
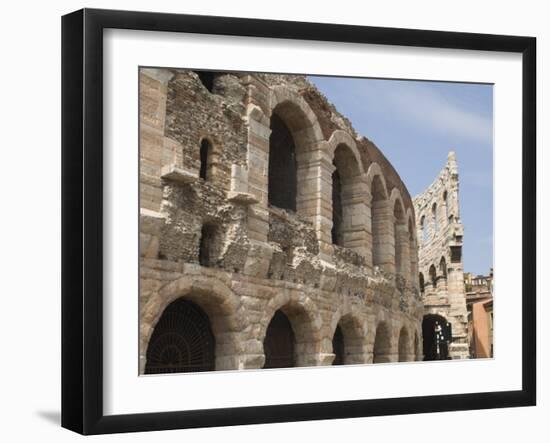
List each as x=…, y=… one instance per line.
x=270, y=221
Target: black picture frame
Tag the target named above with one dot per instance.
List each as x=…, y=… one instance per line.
x=82, y=218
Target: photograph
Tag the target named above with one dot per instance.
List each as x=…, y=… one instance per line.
x=290, y=220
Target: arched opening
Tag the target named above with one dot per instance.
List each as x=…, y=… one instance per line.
x=433, y=277
x=349, y=339
x=446, y=204
x=404, y=346
x=344, y=178
x=437, y=335
x=400, y=238
x=379, y=221
x=209, y=244
x=424, y=228
x=338, y=346
x=282, y=180
x=382, y=344
x=279, y=343
x=205, y=159
x=435, y=220
x=443, y=271
x=207, y=79
x=421, y=282
x=182, y=341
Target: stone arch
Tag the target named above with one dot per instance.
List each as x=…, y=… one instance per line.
x=279, y=343
x=436, y=334
x=445, y=204
x=291, y=113
x=425, y=235
x=400, y=235
x=373, y=171
x=435, y=219
x=380, y=216
x=182, y=341
x=405, y=347
x=354, y=332
x=432, y=272
x=306, y=323
x=396, y=198
x=297, y=114
x=210, y=241
x=217, y=300
x=207, y=155
x=383, y=350
x=340, y=137
x=282, y=186
x=443, y=272
x=349, y=209
x=303, y=176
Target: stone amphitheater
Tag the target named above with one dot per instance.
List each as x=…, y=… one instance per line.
x=271, y=233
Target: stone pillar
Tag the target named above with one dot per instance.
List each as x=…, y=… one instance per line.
x=383, y=245
x=441, y=284
x=258, y=163
x=258, y=133
x=402, y=251
x=314, y=198
x=356, y=215
x=153, y=92
x=458, y=314
x=413, y=260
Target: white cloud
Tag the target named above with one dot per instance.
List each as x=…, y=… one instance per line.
x=432, y=110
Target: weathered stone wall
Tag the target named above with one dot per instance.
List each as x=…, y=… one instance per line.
x=264, y=258
x=440, y=236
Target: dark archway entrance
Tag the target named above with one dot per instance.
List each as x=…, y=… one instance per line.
x=338, y=346
x=279, y=343
x=282, y=181
x=182, y=341
x=437, y=335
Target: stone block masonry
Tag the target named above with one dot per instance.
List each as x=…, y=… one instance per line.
x=241, y=268
x=441, y=235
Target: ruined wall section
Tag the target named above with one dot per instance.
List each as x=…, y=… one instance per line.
x=178, y=202
x=440, y=237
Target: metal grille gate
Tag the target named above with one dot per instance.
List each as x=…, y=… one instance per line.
x=182, y=341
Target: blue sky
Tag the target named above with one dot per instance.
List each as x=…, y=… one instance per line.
x=416, y=124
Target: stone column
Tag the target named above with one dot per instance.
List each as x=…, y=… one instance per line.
x=152, y=102
x=413, y=260
x=402, y=252
x=356, y=215
x=458, y=314
x=258, y=133
x=314, y=198
x=383, y=245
